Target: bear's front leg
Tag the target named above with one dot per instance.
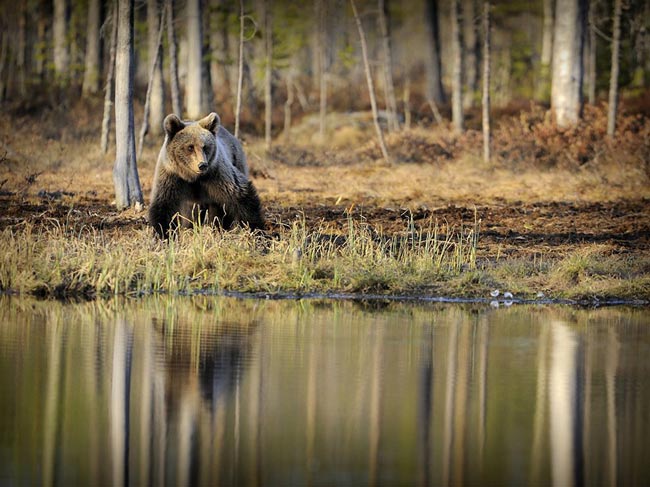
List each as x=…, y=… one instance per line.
x=166, y=201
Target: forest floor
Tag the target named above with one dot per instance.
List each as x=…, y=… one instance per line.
x=557, y=214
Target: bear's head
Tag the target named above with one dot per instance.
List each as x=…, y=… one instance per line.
x=191, y=146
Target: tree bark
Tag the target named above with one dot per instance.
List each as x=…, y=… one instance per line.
x=391, y=102
x=125, y=171
x=59, y=31
x=194, y=99
x=371, y=87
x=435, y=91
x=566, y=86
x=21, y=63
x=591, y=67
x=268, y=73
x=471, y=51
x=321, y=12
x=240, y=67
x=91, y=71
x=177, y=105
x=544, y=81
x=288, y=103
x=155, y=26
x=486, y=82
x=613, y=80
x=457, y=75
x=109, y=87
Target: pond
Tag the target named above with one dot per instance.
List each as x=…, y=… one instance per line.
x=225, y=391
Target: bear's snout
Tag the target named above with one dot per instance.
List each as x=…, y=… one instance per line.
x=203, y=166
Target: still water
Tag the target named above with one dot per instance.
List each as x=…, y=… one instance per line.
x=222, y=391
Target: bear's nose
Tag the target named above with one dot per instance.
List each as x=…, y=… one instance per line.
x=203, y=166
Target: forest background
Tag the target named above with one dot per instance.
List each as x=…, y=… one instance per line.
x=561, y=145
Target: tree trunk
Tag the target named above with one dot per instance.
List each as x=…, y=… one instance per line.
x=371, y=87
x=177, y=105
x=268, y=73
x=288, y=103
x=91, y=71
x=155, y=17
x=21, y=64
x=148, y=101
x=472, y=47
x=321, y=9
x=125, y=171
x=566, y=86
x=591, y=67
x=486, y=82
x=391, y=102
x=61, y=51
x=457, y=75
x=240, y=66
x=194, y=99
x=613, y=80
x=110, y=84
x=435, y=91
x=40, y=50
x=544, y=81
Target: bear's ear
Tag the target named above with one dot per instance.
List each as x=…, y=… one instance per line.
x=211, y=122
x=173, y=125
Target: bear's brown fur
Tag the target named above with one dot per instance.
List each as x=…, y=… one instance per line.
x=202, y=175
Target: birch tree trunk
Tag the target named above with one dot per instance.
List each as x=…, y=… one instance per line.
x=566, y=86
x=486, y=82
x=268, y=48
x=125, y=171
x=544, y=80
x=613, y=80
x=391, y=102
x=59, y=31
x=457, y=75
x=91, y=71
x=240, y=67
x=155, y=18
x=371, y=87
x=194, y=99
x=435, y=92
x=177, y=105
x=109, y=88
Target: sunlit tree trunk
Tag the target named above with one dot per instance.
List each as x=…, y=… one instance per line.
x=457, y=74
x=194, y=99
x=268, y=73
x=435, y=91
x=125, y=171
x=544, y=80
x=91, y=72
x=389, y=86
x=59, y=33
x=566, y=86
x=177, y=105
x=155, y=23
x=486, y=82
x=109, y=88
x=371, y=87
x=613, y=79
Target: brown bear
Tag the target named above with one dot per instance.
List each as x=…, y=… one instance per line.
x=202, y=175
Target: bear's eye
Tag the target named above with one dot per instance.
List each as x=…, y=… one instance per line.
x=190, y=148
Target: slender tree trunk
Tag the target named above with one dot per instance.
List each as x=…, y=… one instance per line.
x=155, y=68
x=240, y=66
x=371, y=87
x=613, y=80
x=288, y=103
x=544, y=81
x=109, y=88
x=207, y=91
x=61, y=50
x=268, y=73
x=177, y=105
x=91, y=72
x=391, y=102
x=4, y=63
x=125, y=171
x=591, y=67
x=321, y=9
x=472, y=48
x=486, y=82
x=40, y=50
x=566, y=87
x=457, y=76
x=406, y=100
x=435, y=91
x=155, y=26
x=194, y=100
x=21, y=64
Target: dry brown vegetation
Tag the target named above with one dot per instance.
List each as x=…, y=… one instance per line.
x=563, y=213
